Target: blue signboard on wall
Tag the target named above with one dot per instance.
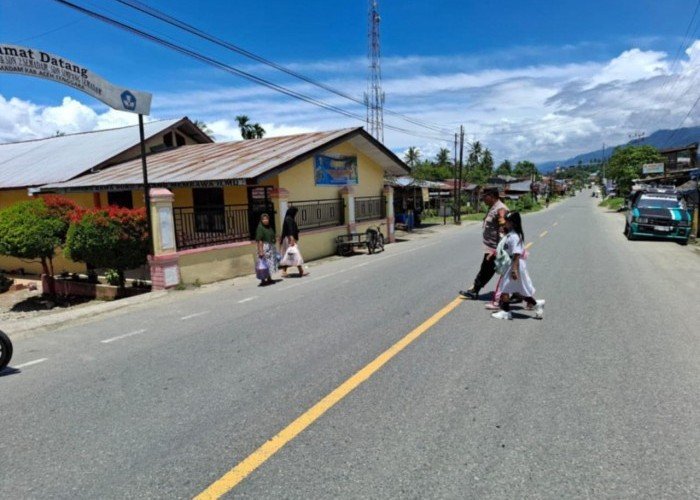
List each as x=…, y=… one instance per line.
x=335, y=170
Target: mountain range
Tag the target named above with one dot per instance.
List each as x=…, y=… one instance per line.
x=662, y=139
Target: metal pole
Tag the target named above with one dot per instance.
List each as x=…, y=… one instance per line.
x=454, y=187
x=146, y=187
x=461, y=158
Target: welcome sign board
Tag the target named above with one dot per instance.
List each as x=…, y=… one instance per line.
x=31, y=62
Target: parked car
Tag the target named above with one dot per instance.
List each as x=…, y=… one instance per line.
x=658, y=213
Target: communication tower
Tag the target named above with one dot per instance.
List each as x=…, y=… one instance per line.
x=374, y=97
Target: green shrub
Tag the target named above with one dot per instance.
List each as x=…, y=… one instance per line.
x=114, y=238
x=29, y=230
x=112, y=277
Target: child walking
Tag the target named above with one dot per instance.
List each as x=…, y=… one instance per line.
x=516, y=279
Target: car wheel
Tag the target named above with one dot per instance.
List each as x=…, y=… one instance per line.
x=628, y=232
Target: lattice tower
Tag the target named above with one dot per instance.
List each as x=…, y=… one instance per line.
x=374, y=97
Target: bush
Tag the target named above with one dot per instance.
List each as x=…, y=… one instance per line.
x=114, y=238
x=30, y=230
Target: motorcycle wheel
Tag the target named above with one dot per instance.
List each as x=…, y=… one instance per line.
x=5, y=350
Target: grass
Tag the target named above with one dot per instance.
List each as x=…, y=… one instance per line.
x=612, y=203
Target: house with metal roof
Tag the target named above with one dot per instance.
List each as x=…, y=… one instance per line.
x=334, y=178
x=27, y=165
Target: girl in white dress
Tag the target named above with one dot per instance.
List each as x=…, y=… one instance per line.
x=516, y=279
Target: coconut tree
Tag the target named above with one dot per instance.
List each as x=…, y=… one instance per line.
x=249, y=130
x=412, y=156
x=203, y=127
x=258, y=131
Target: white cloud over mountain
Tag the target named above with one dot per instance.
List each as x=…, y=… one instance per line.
x=528, y=111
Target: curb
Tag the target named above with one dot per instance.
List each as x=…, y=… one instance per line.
x=21, y=328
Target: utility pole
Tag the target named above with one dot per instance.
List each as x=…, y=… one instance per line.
x=461, y=157
x=604, y=161
x=454, y=185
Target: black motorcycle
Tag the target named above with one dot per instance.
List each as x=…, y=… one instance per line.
x=5, y=350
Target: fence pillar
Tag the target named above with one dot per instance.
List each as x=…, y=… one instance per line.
x=348, y=195
x=280, y=197
x=389, y=210
x=165, y=272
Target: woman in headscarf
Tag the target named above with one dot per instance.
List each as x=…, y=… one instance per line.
x=291, y=256
x=265, y=239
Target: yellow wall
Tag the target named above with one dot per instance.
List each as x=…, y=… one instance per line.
x=301, y=184
x=60, y=264
x=10, y=196
x=235, y=195
x=219, y=264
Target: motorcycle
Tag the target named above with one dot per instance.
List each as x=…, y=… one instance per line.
x=5, y=350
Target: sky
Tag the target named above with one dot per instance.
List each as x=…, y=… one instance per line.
x=530, y=80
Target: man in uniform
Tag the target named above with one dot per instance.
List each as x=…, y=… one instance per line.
x=493, y=223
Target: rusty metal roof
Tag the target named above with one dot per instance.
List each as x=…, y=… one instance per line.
x=230, y=161
x=57, y=159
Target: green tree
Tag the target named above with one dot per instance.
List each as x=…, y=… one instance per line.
x=113, y=238
x=626, y=162
x=525, y=169
x=248, y=129
x=411, y=156
x=28, y=230
x=487, y=161
x=505, y=168
x=442, y=158
x=474, y=157
x=204, y=127
x=258, y=131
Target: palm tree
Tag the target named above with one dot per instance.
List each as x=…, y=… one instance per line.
x=411, y=156
x=258, y=131
x=487, y=161
x=442, y=159
x=203, y=127
x=249, y=130
x=474, y=154
x=245, y=126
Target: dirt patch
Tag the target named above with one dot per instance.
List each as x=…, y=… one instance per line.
x=25, y=303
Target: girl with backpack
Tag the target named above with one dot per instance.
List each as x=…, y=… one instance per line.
x=512, y=266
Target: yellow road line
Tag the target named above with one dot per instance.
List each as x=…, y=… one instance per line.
x=528, y=245
x=233, y=477
x=543, y=234
x=555, y=224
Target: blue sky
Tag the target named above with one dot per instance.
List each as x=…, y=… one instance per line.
x=537, y=80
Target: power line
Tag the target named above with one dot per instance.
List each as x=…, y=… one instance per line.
x=172, y=21
x=230, y=69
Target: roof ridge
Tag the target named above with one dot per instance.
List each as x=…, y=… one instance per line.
x=316, y=132
x=87, y=132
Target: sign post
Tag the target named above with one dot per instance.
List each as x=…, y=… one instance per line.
x=28, y=61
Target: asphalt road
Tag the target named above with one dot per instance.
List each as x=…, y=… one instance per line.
x=600, y=399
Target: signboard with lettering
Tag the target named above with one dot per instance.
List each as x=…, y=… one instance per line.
x=335, y=170
x=31, y=62
x=653, y=168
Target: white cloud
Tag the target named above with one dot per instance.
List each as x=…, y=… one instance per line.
x=632, y=65
x=538, y=111
x=226, y=130
x=22, y=120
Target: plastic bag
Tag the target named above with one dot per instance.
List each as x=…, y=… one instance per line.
x=262, y=270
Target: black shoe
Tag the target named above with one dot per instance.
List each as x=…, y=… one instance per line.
x=470, y=294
